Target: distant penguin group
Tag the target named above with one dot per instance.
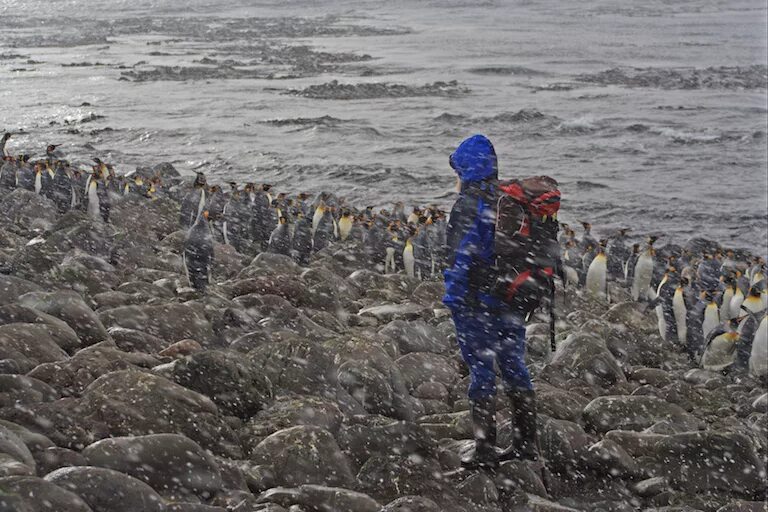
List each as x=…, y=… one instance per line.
x=709, y=302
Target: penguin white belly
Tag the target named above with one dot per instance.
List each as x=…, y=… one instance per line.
x=711, y=319
x=571, y=276
x=736, y=301
x=643, y=276
x=595, y=282
x=662, y=323
x=38, y=182
x=200, y=204
x=389, y=261
x=94, y=211
x=758, y=359
x=721, y=353
x=316, y=219
x=725, y=307
x=345, y=227
x=409, y=261
x=678, y=307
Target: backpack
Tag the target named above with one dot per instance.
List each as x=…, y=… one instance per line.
x=526, y=247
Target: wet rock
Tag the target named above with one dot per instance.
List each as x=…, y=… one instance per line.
x=40, y=495
x=73, y=375
x=388, y=312
x=698, y=462
x=651, y=487
x=744, y=506
x=297, y=366
x=169, y=322
x=304, y=455
x=412, y=504
x=364, y=436
x=522, y=475
x=29, y=345
x=13, y=446
x=321, y=499
x=368, y=386
x=479, y=489
x=130, y=340
x=58, y=330
x=761, y=403
x=563, y=444
x=586, y=357
x=611, y=459
x=20, y=389
x=416, y=336
x=12, y=467
x=105, y=490
x=170, y=463
x=181, y=349
x=11, y=288
x=653, y=376
x=34, y=441
x=62, y=421
x=234, y=383
x=392, y=476
x=559, y=404
x=136, y=403
x=69, y=307
x=289, y=411
x=419, y=368
x=635, y=413
x=53, y=458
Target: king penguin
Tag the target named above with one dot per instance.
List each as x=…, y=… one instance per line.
x=680, y=311
x=194, y=202
x=736, y=300
x=644, y=272
x=720, y=351
x=629, y=265
x=345, y=224
x=753, y=307
x=280, y=239
x=596, y=280
x=711, y=315
x=725, y=299
x=198, y=253
x=301, y=244
x=758, y=359
x=409, y=258
x=97, y=197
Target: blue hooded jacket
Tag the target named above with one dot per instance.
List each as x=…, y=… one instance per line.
x=471, y=227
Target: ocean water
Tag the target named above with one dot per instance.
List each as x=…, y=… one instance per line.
x=651, y=114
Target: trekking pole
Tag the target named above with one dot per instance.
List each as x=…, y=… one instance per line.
x=552, y=318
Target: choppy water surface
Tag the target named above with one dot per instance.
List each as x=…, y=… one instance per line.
x=652, y=115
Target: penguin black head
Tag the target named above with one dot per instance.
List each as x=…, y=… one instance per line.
x=586, y=225
x=23, y=158
x=6, y=136
x=624, y=231
x=51, y=148
x=265, y=187
x=200, y=180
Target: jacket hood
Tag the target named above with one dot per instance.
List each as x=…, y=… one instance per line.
x=475, y=160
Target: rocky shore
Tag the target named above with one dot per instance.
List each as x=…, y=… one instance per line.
x=330, y=388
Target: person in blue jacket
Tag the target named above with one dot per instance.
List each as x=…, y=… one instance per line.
x=487, y=331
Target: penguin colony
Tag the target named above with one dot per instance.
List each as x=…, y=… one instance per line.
x=708, y=303
x=351, y=373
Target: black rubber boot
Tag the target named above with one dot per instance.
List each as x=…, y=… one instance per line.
x=524, y=446
x=484, y=425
